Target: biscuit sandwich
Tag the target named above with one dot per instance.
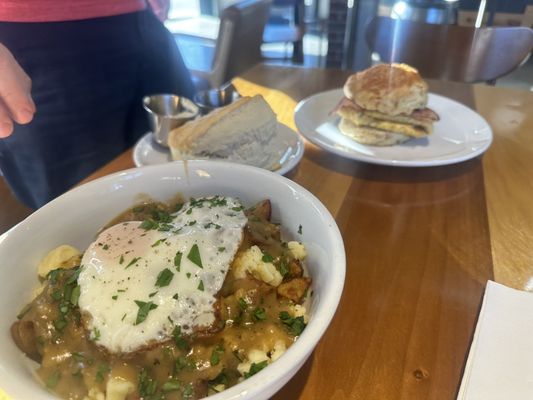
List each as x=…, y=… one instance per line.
x=385, y=105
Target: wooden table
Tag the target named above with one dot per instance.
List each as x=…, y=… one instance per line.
x=420, y=242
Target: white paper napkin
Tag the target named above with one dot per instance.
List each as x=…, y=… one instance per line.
x=500, y=362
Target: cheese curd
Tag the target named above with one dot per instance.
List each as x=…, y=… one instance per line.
x=298, y=250
x=251, y=261
x=64, y=256
x=256, y=356
x=118, y=389
x=297, y=310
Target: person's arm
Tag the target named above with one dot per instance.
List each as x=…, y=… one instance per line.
x=16, y=103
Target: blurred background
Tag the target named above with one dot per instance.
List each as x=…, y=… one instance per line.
x=333, y=33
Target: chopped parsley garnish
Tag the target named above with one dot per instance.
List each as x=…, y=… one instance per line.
x=52, y=380
x=300, y=229
x=171, y=386
x=221, y=249
x=74, y=277
x=56, y=295
x=60, y=324
x=259, y=314
x=255, y=368
x=194, y=256
x=240, y=208
x=188, y=274
x=158, y=242
x=201, y=286
x=114, y=297
x=294, y=325
x=283, y=268
x=152, y=294
x=96, y=334
x=216, y=201
x=267, y=258
x=161, y=216
x=175, y=297
x=105, y=247
x=191, y=223
x=147, y=385
x=52, y=276
x=213, y=225
x=221, y=379
x=124, y=316
x=164, y=278
x=164, y=227
x=215, y=355
x=103, y=369
x=188, y=391
x=133, y=261
x=121, y=259
x=243, y=305
x=149, y=224
x=144, y=309
x=66, y=295
x=177, y=260
x=75, y=295
x=179, y=340
x=181, y=364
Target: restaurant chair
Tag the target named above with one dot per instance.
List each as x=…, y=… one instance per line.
x=450, y=52
x=238, y=43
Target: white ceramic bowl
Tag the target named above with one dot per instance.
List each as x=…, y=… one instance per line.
x=75, y=217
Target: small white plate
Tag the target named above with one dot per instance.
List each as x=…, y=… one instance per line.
x=460, y=134
x=285, y=151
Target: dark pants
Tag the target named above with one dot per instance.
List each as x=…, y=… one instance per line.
x=88, y=77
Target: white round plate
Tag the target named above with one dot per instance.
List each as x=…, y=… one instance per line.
x=285, y=151
x=460, y=134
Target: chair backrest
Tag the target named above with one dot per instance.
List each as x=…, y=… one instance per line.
x=450, y=52
x=238, y=46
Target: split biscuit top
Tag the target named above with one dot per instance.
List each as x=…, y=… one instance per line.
x=391, y=89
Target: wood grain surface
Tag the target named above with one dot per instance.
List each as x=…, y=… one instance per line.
x=508, y=167
x=420, y=242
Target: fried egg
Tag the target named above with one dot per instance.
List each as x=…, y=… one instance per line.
x=141, y=279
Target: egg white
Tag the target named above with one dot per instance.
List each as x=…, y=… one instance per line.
x=123, y=264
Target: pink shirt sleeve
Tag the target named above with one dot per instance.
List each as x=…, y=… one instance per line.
x=65, y=10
